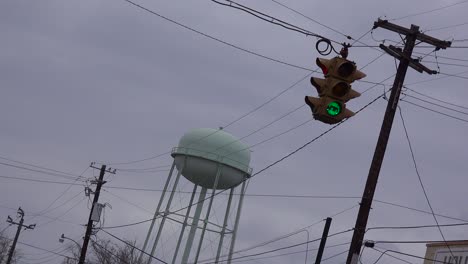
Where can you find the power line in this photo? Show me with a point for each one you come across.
(271, 19)
(385, 253)
(412, 241)
(419, 210)
(449, 64)
(267, 167)
(336, 255)
(311, 19)
(61, 195)
(432, 103)
(247, 194)
(432, 110)
(441, 57)
(286, 235)
(454, 75)
(281, 248)
(39, 248)
(420, 181)
(434, 79)
(415, 227)
(130, 245)
(406, 254)
(436, 99)
(39, 171)
(214, 38)
(227, 125)
(39, 167)
(445, 27)
(290, 253)
(263, 127)
(430, 11)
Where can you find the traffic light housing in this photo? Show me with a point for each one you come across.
(334, 91)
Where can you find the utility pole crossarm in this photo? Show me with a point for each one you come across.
(440, 44)
(413, 63)
(18, 231)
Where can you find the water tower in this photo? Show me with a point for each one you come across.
(211, 160)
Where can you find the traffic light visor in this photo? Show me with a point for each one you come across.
(318, 83)
(324, 64)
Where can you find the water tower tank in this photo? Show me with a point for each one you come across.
(204, 150)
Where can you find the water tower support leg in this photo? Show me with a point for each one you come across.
(236, 224)
(202, 236)
(166, 211)
(223, 231)
(184, 225)
(156, 212)
(193, 228)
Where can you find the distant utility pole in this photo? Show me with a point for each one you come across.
(405, 59)
(94, 210)
(20, 226)
(323, 241)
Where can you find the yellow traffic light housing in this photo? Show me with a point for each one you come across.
(335, 90)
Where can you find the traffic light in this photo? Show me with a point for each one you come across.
(334, 91)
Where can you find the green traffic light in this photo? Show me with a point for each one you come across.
(334, 108)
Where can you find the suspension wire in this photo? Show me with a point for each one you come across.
(432, 110)
(421, 182)
(430, 11)
(436, 99)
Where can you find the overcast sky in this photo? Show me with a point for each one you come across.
(105, 81)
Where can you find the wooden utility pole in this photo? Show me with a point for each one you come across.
(18, 231)
(89, 227)
(323, 241)
(405, 59)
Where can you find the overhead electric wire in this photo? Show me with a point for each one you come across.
(454, 75)
(439, 105)
(62, 194)
(415, 227)
(335, 255)
(409, 255)
(290, 253)
(448, 64)
(440, 57)
(421, 182)
(271, 19)
(276, 239)
(281, 248)
(63, 214)
(434, 79)
(419, 210)
(330, 28)
(414, 241)
(267, 167)
(430, 11)
(39, 171)
(227, 125)
(436, 99)
(435, 111)
(311, 19)
(385, 253)
(247, 194)
(130, 245)
(445, 27)
(214, 38)
(36, 247)
(263, 127)
(39, 167)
